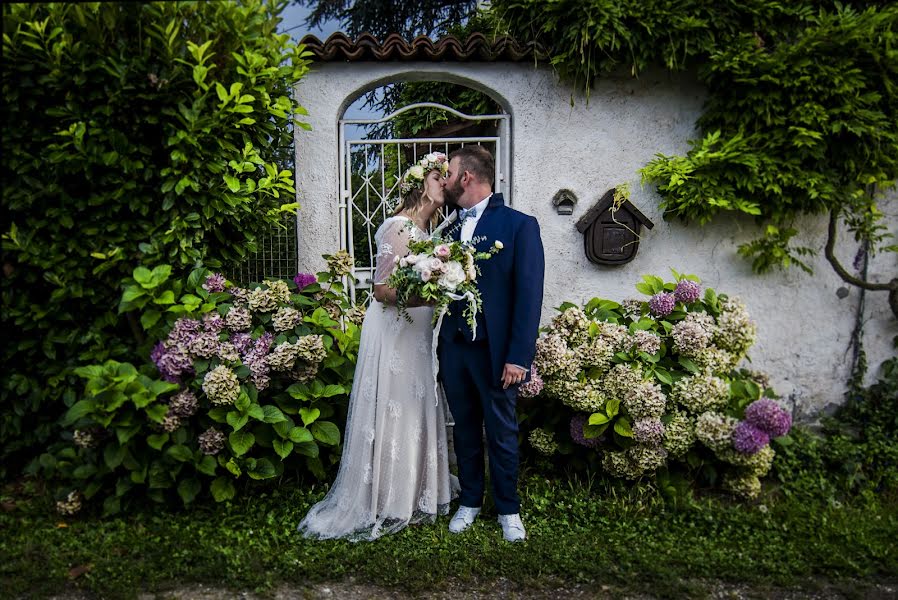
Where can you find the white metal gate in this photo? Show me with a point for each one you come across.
(370, 170)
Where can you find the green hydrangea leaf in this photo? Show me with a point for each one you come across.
(241, 442)
(222, 489)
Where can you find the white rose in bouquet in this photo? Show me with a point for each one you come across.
(469, 268)
(453, 275)
(414, 259)
(430, 157)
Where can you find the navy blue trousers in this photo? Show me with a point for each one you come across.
(477, 401)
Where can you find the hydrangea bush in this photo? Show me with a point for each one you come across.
(649, 385)
(244, 384)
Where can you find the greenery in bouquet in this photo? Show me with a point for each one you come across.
(440, 271)
(650, 386)
(245, 383)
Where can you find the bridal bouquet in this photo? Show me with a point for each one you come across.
(440, 271)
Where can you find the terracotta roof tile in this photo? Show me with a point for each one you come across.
(476, 48)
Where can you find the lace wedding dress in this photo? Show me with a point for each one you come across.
(394, 469)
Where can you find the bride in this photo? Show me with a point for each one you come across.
(394, 469)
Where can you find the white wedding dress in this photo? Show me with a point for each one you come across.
(395, 468)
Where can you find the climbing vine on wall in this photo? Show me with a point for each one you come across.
(802, 108)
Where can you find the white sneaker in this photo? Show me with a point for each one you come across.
(512, 528)
(463, 518)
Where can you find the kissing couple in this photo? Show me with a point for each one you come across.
(394, 468)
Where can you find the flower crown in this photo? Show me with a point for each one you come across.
(414, 177)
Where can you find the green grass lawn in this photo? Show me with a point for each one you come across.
(578, 533)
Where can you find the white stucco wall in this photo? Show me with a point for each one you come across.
(804, 329)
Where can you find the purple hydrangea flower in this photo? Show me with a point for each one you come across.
(184, 330)
(577, 423)
(768, 416)
(648, 431)
(242, 341)
(157, 352)
(303, 279)
(256, 360)
(662, 304)
(214, 283)
(687, 291)
(213, 322)
(263, 344)
(240, 294)
(748, 439)
(173, 363)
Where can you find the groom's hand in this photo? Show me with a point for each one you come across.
(511, 375)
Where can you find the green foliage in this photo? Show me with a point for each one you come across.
(137, 133)
(383, 17)
(583, 533)
(463, 99)
(802, 109)
(133, 435)
(856, 454)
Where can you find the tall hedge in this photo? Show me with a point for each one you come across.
(136, 133)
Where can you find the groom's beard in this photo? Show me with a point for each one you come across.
(452, 194)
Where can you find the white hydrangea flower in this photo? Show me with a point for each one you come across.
(221, 385)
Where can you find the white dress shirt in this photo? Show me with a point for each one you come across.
(470, 224)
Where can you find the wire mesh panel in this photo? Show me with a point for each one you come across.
(275, 256)
(370, 178)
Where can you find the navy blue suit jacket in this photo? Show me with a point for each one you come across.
(511, 285)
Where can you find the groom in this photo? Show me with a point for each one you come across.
(481, 374)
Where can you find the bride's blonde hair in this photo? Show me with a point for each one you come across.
(414, 201)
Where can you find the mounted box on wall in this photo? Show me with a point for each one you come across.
(611, 233)
(564, 201)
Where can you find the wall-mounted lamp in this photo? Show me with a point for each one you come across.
(564, 201)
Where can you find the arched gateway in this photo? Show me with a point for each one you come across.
(364, 188)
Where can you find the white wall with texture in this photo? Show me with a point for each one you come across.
(804, 328)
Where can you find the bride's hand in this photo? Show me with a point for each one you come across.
(433, 186)
(417, 301)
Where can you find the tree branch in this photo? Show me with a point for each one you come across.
(840, 270)
(891, 287)
(135, 327)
